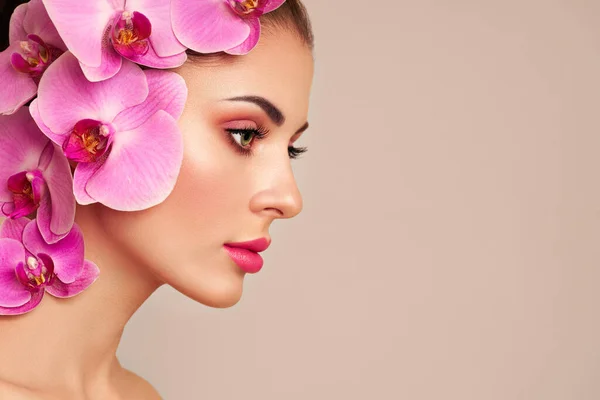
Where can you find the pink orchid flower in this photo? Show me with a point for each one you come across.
(122, 131)
(34, 176)
(209, 26)
(34, 44)
(29, 266)
(101, 32)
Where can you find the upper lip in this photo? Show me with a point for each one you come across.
(256, 245)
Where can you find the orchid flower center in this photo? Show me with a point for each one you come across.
(27, 188)
(130, 33)
(244, 7)
(36, 273)
(34, 56)
(89, 140)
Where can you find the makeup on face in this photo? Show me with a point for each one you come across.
(257, 131)
(245, 254)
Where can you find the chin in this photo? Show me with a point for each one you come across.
(221, 298)
(222, 291)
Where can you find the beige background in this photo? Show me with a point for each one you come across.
(448, 247)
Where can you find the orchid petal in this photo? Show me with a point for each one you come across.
(19, 64)
(44, 218)
(21, 209)
(67, 254)
(158, 12)
(82, 25)
(16, 29)
(12, 292)
(83, 173)
(35, 114)
(13, 228)
(66, 96)
(151, 59)
(7, 208)
(252, 40)
(28, 188)
(21, 144)
(207, 26)
(17, 87)
(111, 64)
(142, 168)
(36, 298)
(89, 274)
(38, 185)
(77, 147)
(167, 91)
(38, 22)
(271, 5)
(16, 182)
(21, 274)
(130, 32)
(57, 210)
(46, 156)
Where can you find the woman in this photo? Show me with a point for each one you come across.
(242, 116)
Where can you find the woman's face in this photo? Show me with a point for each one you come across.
(231, 186)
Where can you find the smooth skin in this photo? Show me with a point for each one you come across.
(66, 349)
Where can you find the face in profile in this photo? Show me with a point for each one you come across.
(240, 124)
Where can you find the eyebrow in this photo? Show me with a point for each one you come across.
(269, 108)
(302, 129)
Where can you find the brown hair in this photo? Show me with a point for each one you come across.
(291, 16)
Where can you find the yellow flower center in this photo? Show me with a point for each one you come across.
(247, 6)
(126, 37)
(36, 280)
(91, 142)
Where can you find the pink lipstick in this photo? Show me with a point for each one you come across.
(245, 254)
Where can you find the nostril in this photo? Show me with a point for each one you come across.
(276, 211)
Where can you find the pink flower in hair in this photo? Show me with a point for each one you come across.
(29, 266)
(34, 44)
(209, 26)
(101, 32)
(34, 176)
(122, 131)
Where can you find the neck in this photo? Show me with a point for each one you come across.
(70, 344)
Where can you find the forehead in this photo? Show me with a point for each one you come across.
(279, 68)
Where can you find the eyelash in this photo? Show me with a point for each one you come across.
(259, 134)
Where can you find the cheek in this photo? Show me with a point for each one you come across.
(210, 197)
(180, 240)
(202, 197)
(202, 212)
(211, 188)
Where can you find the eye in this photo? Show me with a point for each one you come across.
(242, 139)
(294, 152)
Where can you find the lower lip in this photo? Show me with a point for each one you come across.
(247, 260)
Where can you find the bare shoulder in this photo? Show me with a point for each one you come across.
(11, 392)
(135, 387)
(129, 386)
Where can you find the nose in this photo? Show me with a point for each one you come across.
(278, 196)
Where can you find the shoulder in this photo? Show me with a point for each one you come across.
(133, 387)
(11, 392)
(130, 386)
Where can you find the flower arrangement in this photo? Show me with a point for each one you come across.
(88, 114)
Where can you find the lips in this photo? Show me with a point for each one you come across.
(245, 254)
(256, 246)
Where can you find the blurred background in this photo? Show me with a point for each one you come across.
(449, 246)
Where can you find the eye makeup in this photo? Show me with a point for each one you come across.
(248, 134)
